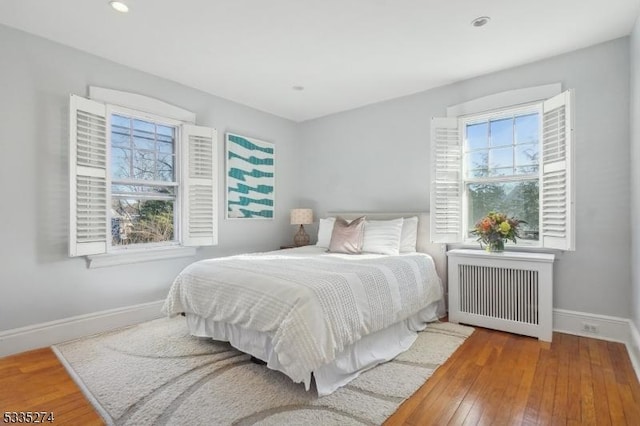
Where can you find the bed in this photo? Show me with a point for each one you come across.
(312, 314)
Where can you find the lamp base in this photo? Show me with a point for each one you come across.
(301, 238)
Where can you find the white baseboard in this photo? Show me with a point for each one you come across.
(615, 329)
(49, 333)
(633, 347)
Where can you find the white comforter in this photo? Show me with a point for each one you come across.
(312, 304)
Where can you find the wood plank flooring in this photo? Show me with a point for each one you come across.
(494, 378)
(502, 379)
(36, 381)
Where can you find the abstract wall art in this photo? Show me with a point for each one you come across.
(250, 178)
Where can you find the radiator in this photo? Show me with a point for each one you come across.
(509, 291)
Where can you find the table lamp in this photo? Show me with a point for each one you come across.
(301, 217)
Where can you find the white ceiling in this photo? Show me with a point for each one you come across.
(346, 53)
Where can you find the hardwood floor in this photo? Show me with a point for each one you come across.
(502, 379)
(494, 378)
(35, 381)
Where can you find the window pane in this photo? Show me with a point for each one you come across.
(135, 221)
(121, 121)
(527, 155)
(500, 158)
(165, 167)
(120, 163)
(478, 163)
(502, 132)
(165, 131)
(526, 128)
(143, 126)
(144, 164)
(120, 137)
(477, 136)
(165, 138)
(516, 199)
(166, 148)
(146, 142)
(144, 135)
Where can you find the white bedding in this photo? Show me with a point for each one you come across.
(311, 304)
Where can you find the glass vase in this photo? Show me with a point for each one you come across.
(496, 246)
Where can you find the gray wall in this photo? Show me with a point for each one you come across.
(635, 174)
(38, 282)
(377, 158)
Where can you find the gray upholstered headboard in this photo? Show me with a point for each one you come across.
(424, 244)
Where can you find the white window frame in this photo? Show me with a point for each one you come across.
(556, 168)
(196, 167)
(177, 208)
(485, 117)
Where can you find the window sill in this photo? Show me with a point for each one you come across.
(138, 256)
(520, 247)
(519, 256)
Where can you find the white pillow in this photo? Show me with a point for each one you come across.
(409, 236)
(325, 228)
(382, 236)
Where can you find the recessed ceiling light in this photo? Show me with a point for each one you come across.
(297, 88)
(119, 6)
(480, 21)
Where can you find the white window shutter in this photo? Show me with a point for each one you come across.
(88, 230)
(446, 181)
(199, 186)
(557, 192)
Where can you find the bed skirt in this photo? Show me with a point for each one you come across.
(364, 354)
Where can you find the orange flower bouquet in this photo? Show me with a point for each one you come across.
(496, 228)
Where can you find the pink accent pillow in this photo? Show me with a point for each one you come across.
(347, 237)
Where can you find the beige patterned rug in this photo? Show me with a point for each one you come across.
(155, 373)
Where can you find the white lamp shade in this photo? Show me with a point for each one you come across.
(301, 216)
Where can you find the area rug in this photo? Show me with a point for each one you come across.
(155, 373)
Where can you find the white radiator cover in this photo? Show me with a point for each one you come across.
(508, 291)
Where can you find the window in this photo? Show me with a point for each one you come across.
(144, 185)
(139, 180)
(517, 161)
(500, 167)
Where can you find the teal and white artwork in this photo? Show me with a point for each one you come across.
(250, 178)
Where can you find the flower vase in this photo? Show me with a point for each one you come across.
(496, 246)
